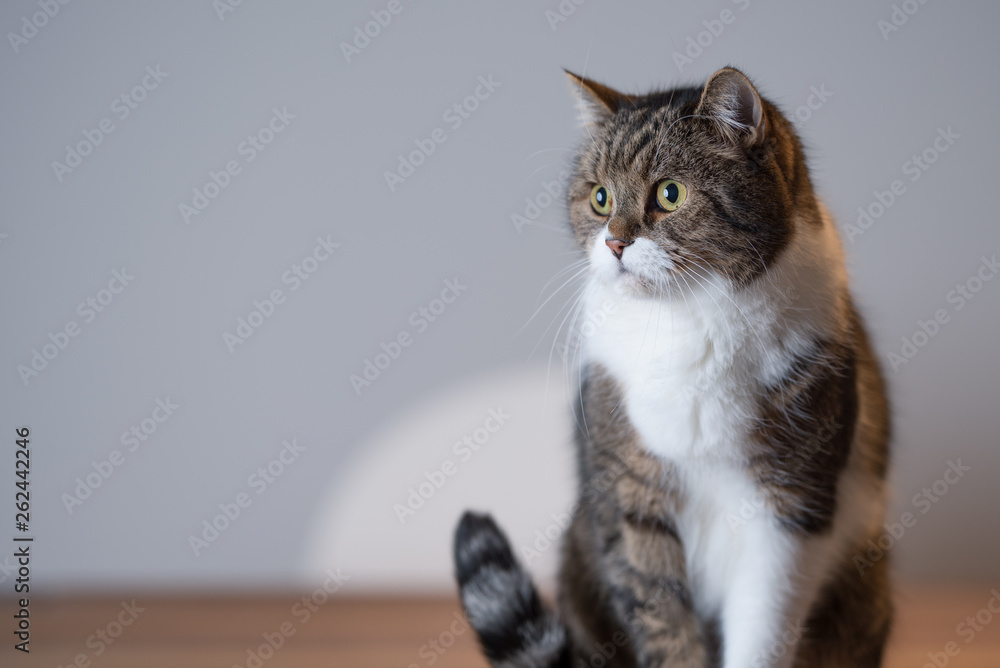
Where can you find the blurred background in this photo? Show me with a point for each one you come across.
(281, 281)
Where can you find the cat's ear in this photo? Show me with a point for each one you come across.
(595, 102)
(735, 105)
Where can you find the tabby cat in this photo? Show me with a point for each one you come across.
(732, 424)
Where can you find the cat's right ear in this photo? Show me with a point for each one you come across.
(595, 102)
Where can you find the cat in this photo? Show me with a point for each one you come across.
(732, 421)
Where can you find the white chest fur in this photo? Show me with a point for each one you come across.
(687, 370)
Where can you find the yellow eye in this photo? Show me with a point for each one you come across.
(600, 199)
(670, 194)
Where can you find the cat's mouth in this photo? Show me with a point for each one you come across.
(633, 283)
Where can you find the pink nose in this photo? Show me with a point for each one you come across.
(617, 246)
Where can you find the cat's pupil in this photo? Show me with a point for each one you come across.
(671, 192)
(602, 196)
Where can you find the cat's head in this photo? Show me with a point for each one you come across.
(685, 183)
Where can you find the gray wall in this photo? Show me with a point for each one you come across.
(886, 96)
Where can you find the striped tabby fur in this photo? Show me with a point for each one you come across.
(731, 398)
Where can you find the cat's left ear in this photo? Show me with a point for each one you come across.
(735, 105)
(596, 102)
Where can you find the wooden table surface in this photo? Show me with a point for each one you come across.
(221, 632)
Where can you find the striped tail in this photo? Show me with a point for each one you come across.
(501, 603)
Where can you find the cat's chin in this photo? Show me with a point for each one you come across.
(629, 283)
